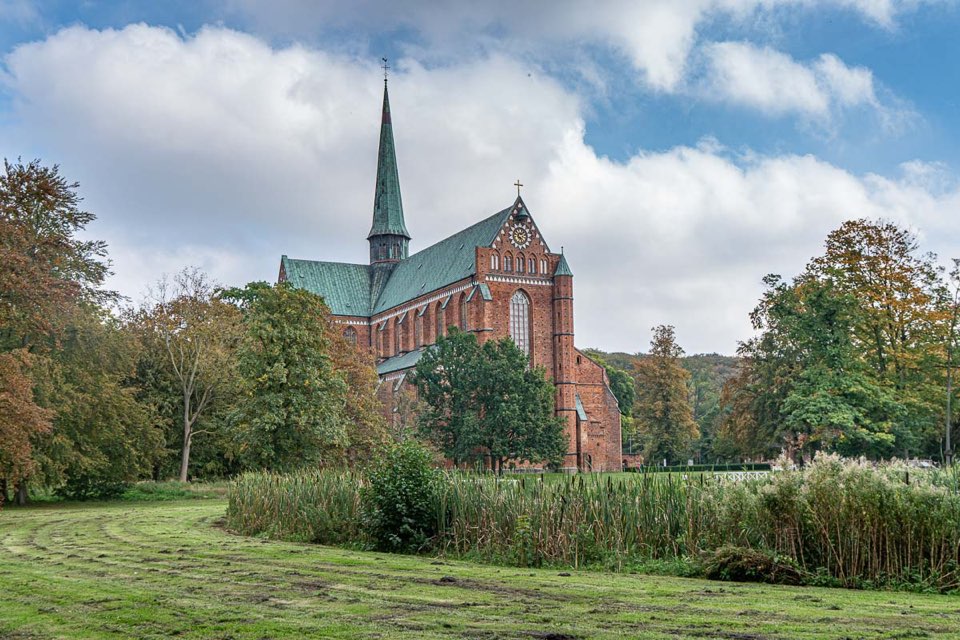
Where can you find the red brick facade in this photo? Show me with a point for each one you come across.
(595, 442)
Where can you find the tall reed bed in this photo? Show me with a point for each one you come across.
(307, 506)
(837, 521)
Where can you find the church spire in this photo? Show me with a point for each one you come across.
(388, 236)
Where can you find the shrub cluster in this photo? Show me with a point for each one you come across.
(836, 522)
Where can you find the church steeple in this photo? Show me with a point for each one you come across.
(389, 239)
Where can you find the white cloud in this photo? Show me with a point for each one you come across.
(221, 151)
(656, 36)
(774, 83)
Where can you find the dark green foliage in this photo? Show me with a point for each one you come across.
(484, 403)
(291, 411)
(741, 564)
(401, 502)
(103, 436)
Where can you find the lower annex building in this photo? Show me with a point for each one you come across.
(496, 278)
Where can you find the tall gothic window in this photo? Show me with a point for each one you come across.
(351, 335)
(440, 324)
(418, 331)
(532, 267)
(543, 267)
(520, 321)
(463, 312)
(397, 337)
(508, 262)
(494, 261)
(520, 262)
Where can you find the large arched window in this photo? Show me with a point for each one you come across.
(463, 312)
(440, 322)
(520, 321)
(417, 331)
(494, 261)
(351, 335)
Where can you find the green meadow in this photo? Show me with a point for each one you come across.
(169, 569)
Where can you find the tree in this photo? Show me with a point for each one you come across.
(21, 421)
(103, 435)
(192, 334)
(515, 407)
(952, 322)
(850, 355)
(446, 381)
(366, 426)
(292, 409)
(487, 401)
(44, 268)
(662, 411)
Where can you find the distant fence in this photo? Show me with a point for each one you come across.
(704, 468)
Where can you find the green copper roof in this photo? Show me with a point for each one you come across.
(399, 363)
(387, 206)
(563, 269)
(344, 287)
(436, 266)
(362, 290)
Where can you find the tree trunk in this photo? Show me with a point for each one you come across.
(22, 493)
(185, 453)
(4, 491)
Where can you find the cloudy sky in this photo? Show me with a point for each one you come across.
(678, 149)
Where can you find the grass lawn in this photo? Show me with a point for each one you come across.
(165, 569)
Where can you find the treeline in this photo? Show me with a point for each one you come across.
(196, 381)
(856, 355)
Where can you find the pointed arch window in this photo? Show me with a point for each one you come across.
(463, 312)
(440, 323)
(543, 267)
(397, 337)
(350, 334)
(520, 263)
(520, 320)
(532, 266)
(494, 261)
(417, 331)
(508, 262)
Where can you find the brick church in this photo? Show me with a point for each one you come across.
(498, 277)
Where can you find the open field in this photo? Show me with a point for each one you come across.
(156, 570)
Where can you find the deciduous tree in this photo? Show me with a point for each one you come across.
(292, 410)
(485, 401)
(663, 413)
(21, 421)
(192, 333)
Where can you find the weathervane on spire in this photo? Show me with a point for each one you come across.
(518, 184)
(385, 68)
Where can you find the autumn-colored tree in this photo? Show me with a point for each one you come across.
(366, 427)
(21, 421)
(664, 417)
(46, 272)
(44, 268)
(191, 333)
(850, 354)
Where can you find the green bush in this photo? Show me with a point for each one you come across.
(401, 499)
